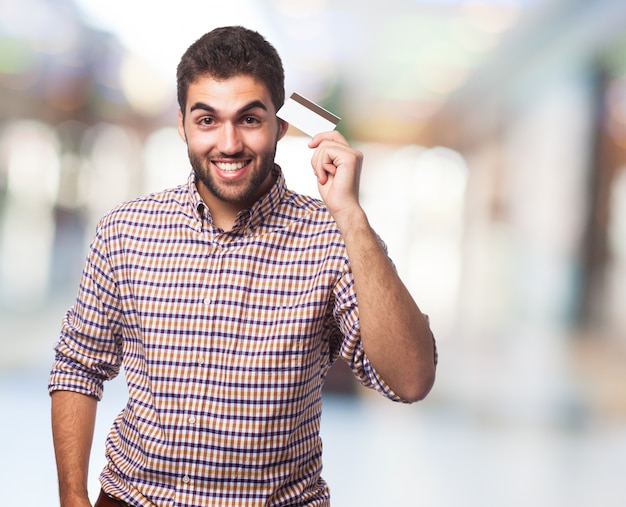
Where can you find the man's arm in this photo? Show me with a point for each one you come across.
(395, 334)
(73, 422)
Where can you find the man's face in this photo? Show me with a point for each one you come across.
(231, 131)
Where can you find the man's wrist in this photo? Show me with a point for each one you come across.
(351, 219)
(76, 501)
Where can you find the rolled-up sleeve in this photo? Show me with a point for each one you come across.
(88, 351)
(351, 349)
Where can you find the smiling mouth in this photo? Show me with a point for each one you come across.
(230, 166)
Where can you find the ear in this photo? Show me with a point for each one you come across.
(283, 126)
(181, 126)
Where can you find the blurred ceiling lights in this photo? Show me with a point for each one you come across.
(386, 68)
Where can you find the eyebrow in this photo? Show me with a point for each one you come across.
(210, 109)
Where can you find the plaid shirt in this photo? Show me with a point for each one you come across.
(225, 339)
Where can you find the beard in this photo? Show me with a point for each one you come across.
(234, 193)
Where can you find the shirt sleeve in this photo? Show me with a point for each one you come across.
(351, 349)
(88, 351)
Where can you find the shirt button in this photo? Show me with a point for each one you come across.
(186, 479)
(201, 360)
(207, 301)
(192, 420)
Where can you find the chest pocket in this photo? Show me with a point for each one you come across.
(280, 336)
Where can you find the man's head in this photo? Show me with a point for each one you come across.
(230, 85)
(228, 52)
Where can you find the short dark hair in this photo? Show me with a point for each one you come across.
(228, 52)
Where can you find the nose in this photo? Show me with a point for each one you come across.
(230, 142)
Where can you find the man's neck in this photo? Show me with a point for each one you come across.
(222, 218)
(224, 214)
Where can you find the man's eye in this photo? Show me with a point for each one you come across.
(207, 120)
(250, 120)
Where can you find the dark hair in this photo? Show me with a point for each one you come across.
(228, 52)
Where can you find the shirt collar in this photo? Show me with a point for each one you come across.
(195, 199)
(252, 217)
(266, 206)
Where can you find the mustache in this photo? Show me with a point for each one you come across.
(225, 156)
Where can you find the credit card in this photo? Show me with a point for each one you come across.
(307, 116)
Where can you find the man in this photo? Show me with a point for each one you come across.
(227, 299)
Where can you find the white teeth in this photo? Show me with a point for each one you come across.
(230, 166)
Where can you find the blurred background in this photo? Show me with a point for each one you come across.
(494, 133)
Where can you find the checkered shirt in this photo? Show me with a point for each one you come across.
(225, 339)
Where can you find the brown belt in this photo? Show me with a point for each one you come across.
(105, 500)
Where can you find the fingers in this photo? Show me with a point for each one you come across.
(331, 148)
(333, 156)
(332, 136)
(325, 159)
(325, 163)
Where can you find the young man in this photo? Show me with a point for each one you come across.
(227, 299)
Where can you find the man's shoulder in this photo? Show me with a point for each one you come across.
(302, 209)
(302, 204)
(304, 218)
(150, 207)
